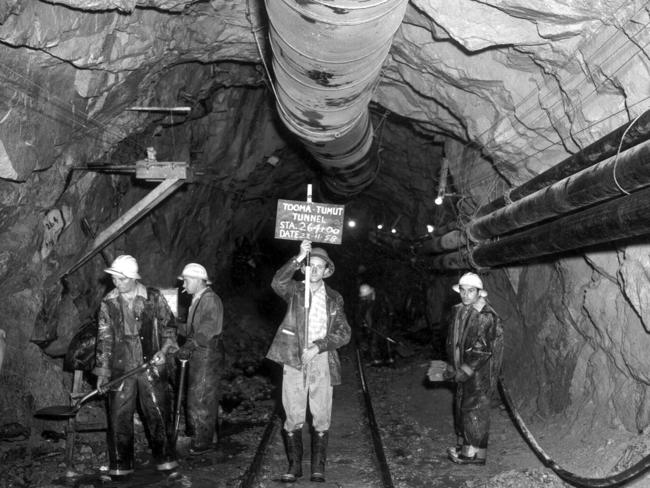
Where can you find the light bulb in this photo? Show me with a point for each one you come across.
(429, 228)
(380, 226)
(352, 223)
(438, 200)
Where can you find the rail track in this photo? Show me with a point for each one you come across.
(356, 452)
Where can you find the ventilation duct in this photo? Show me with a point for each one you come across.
(327, 59)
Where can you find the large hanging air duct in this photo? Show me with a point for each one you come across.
(327, 58)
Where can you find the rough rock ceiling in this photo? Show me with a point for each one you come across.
(527, 82)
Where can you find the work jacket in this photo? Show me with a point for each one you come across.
(156, 324)
(204, 320)
(289, 341)
(474, 347)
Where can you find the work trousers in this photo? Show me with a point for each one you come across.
(472, 416)
(310, 384)
(149, 390)
(204, 375)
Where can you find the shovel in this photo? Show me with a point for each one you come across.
(179, 400)
(68, 411)
(401, 349)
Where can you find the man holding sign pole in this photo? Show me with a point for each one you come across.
(306, 344)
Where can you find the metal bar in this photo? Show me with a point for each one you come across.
(162, 191)
(161, 109)
(600, 150)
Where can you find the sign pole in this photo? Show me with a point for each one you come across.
(307, 298)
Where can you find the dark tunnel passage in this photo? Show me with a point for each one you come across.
(496, 138)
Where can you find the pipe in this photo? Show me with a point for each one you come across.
(327, 58)
(440, 244)
(592, 185)
(452, 260)
(445, 228)
(600, 150)
(616, 219)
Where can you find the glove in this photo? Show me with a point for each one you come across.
(101, 381)
(449, 374)
(184, 354)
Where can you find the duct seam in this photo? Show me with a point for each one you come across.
(311, 15)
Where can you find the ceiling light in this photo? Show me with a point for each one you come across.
(438, 200)
(352, 223)
(430, 228)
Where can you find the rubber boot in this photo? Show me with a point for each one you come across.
(293, 445)
(318, 455)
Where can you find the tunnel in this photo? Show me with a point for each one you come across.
(503, 138)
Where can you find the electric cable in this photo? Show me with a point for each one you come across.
(477, 181)
(626, 40)
(618, 151)
(22, 84)
(615, 480)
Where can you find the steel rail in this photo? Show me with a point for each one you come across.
(250, 478)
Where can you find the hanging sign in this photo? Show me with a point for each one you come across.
(316, 222)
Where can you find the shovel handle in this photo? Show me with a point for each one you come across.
(389, 339)
(179, 400)
(115, 381)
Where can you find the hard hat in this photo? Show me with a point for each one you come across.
(319, 252)
(472, 280)
(365, 290)
(125, 266)
(195, 270)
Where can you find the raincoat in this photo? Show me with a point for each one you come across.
(204, 324)
(289, 340)
(474, 346)
(119, 351)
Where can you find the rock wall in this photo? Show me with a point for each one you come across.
(576, 339)
(199, 222)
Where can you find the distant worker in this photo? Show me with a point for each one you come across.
(309, 357)
(203, 348)
(474, 345)
(135, 325)
(375, 314)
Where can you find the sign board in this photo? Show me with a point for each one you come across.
(316, 222)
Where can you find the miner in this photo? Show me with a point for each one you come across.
(306, 345)
(203, 348)
(474, 345)
(136, 325)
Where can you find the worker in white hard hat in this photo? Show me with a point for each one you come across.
(135, 325)
(203, 348)
(375, 314)
(474, 349)
(306, 345)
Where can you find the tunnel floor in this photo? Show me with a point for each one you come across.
(416, 428)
